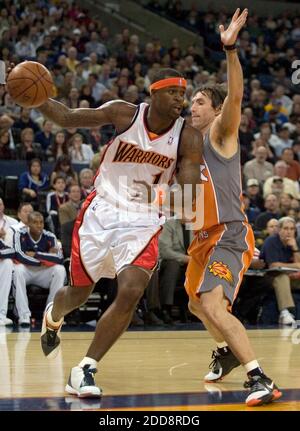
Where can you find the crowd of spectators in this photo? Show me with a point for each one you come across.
(91, 66)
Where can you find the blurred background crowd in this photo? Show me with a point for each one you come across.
(91, 65)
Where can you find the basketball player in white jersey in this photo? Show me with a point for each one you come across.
(114, 234)
(222, 251)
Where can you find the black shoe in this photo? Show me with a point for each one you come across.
(50, 340)
(221, 365)
(262, 390)
(167, 318)
(136, 320)
(152, 319)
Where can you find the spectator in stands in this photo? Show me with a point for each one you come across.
(86, 94)
(28, 149)
(45, 137)
(252, 211)
(40, 262)
(282, 250)
(96, 160)
(173, 244)
(24, 210)
(80, 152)
(259, 142)
(293, 166)
(272, 227)
(67, 214)
(270, 138)
(285, 204)
(54, 201)
(25, 121)
(10, 107)
(95, 46)
(24, 49)
(6, 153)
(63, 168)
(284, 138)
(86, 181)
(95, 138)
(288, 186)
(32, 182)
(246, 137)
(97, 89)
(73, 98)
(259, 168)
(69, 210)
(6, 271)
(7, 123)
(59, 147)
(5, 222)
(272, 211)
(71, 60)
(254, 194)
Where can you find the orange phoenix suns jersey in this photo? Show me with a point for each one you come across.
(137, 155)
(221, 179)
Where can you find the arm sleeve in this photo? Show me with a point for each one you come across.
(6, 252)
(21, 255)
(23, 181)
(50, 259)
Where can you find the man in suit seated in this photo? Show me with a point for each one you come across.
(40, 261)
(173, 244)
(68, 211)
(282, 250)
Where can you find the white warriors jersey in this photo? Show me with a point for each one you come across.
(133, 156)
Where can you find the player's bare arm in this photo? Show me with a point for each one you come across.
(116, 112)
(224, 130)
(190, 153)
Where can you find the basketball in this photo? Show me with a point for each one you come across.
(30, 84)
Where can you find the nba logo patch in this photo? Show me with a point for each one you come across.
(170, 140)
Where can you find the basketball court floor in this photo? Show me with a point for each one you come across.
(145, 370)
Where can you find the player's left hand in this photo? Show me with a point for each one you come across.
(229, 36)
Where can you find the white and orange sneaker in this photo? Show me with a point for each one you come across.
(50, 340)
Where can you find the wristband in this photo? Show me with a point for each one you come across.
(296, 251)
(229, 47)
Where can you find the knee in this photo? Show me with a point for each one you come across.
(207, 307)
(19, 270)
(128, 297)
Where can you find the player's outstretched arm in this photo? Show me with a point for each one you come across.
(114, 112)
(229, 120)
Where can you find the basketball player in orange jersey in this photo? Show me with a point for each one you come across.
(222, 250)
(115, 234)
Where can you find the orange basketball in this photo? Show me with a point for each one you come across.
(30, 84)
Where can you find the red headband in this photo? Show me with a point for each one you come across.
(168, 82)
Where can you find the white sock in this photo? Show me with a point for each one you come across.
(86, 360)
(222, 345)
(251, 365)
(50, 319)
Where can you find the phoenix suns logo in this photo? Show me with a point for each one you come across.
(221, 270)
